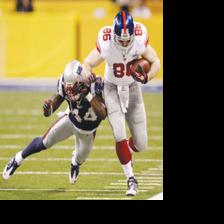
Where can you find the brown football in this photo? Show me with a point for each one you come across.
(146, 65)
(99, 107)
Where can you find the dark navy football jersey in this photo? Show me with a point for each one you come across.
(81, 113)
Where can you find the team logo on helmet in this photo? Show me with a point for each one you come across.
(79, 70)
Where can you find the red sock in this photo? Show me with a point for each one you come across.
(131, 144)
(123, 152)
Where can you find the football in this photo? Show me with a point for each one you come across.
(99, 107)
(146, 65)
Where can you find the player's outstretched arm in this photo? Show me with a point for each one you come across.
(151, 56)
(52, 104)
(92, 60)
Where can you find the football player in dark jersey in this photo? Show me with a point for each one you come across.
(87, 110)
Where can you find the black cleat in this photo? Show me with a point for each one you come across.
(10, 169)
(132, 187)
(73, 173)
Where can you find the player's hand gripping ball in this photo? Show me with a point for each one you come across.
(139, 69)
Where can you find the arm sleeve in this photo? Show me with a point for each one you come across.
(60, 87)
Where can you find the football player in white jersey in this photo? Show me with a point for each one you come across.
(82, 120)
(119, 45)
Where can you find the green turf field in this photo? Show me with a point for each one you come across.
(44, 176)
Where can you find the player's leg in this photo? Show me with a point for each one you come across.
(84, 144)
(136, 118)
(115, 116)
(117, 122)
(59, 131)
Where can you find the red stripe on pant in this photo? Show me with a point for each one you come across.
(123, 152)
(132, 145)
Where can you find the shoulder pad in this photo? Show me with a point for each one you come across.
(141, 34)
(104, 39)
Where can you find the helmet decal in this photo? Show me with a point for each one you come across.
(79, 70)
(124, 21)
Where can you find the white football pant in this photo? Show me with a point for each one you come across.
(135, 116)
(62, 129)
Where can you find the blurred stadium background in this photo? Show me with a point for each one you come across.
(34, 49)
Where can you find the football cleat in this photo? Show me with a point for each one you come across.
(10, 169)
(132, 187)
(73, 173)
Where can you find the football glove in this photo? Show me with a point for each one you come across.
(139, 75)
(48, 108)
(97, 86)
(90, 79)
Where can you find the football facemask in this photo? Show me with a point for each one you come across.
(76, 91)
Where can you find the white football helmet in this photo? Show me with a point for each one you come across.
(73, 79)
(73, 72)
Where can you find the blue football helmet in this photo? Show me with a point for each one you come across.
(123, 30)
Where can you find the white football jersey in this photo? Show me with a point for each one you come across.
(117, 70)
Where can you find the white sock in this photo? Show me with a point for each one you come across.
(19, 157)
(128, 170)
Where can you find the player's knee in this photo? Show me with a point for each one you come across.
(141, 143)
(38, 144)
(118, 136)
(35, 146)
(47, 142)
(118, 128)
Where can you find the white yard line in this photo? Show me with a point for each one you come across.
(142, 181)
(157, 197)
(61, 190)
(82, 173)
(88, 191)
(158, 169)
(125, 187)
(146, 179)
(101, 198)
(155, 128)
(149, 178)
(141, 184)
(22, 127)
(38, 127)
(31, 136)
(39, 112)
(89, 159)
(160, 174)
(20, 112)
(64, 173)
(69, 147)
(148, 175)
